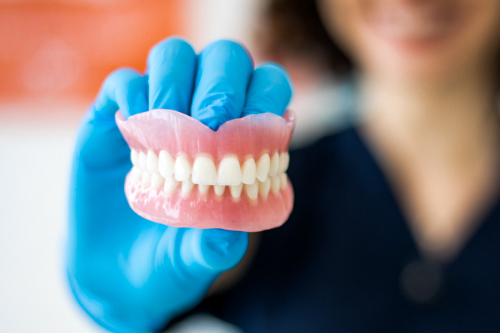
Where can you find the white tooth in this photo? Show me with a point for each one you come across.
(186, 188)
(204, 171)
(275, 165)
(264, 187)
(283, 181)
(252, 190)
(136, 173)
(143, 161)
(134, 157)
(146, 178)
(275, 184)
(236, 190)
(156, 181)
(263, 167)
(170, 185)
(248, 171)
(152, 162)
(203, 189)
(219, 189)
(182, 168)
(166, 164)
(229, 171)
(284, 161)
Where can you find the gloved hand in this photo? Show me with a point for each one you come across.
(128, 273)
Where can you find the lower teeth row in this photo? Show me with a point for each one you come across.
(170, 184)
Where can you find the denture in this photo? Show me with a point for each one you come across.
(186, 175)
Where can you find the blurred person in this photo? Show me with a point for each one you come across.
(396, 223)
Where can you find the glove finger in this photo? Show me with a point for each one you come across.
(124, 89)
(224, 69)
(171, 72)
(99, 142)
(200, 253)
(269, 90)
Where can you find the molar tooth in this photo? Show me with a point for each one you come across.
(284, 161)
(152, 162)
(263, 167)
(136, 173)
(134, 157)
(264, 187)
(166, 164)
(252, 190)
(275, 184)
(156, 181)
(186, 188)
(143, 161)
(182, 168)
(170, 185)
(204, 171)
(236, 190)
(219, 189)
(146, 179)
(248, 171)
(283, 180)
(229, 171)
(275, 165)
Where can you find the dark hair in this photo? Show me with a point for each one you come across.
(295, 27)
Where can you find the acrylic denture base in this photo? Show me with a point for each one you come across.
(186, 175)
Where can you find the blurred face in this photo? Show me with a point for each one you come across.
(420, 41)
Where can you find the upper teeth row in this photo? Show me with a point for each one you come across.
(204, 172)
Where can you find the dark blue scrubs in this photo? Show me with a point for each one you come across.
(346, 261)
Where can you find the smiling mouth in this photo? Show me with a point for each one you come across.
(426, 22)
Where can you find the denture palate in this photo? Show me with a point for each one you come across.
(165, 172)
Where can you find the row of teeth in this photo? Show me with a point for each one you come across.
(268, 174)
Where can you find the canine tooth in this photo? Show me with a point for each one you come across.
(263, 167)
(284, 161)
(275, 165)
(170, 185)
(219, 189)
(166, 164)
(252, 190)
(182, 168)
(204, 171)
(143, 161)
(134, 157)
(264, 187)
(186, 188)
(236, 190)
(283, 181)
(136, 173)
(156, 181)
(275, 184)
(229, 171)
(152, 162)
(146, 178)
(203, 188)
(248, 171)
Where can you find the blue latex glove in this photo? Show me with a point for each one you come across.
(128, 273)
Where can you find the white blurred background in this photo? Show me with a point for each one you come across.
(47, 84)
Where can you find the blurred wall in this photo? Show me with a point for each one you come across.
(52, 49)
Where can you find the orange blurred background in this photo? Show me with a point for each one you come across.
(64, 49)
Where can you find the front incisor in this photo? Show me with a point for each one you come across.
(229, 172)
(249, 171)
(263, 167)
(204, 172)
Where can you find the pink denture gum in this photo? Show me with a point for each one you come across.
(186, 175)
